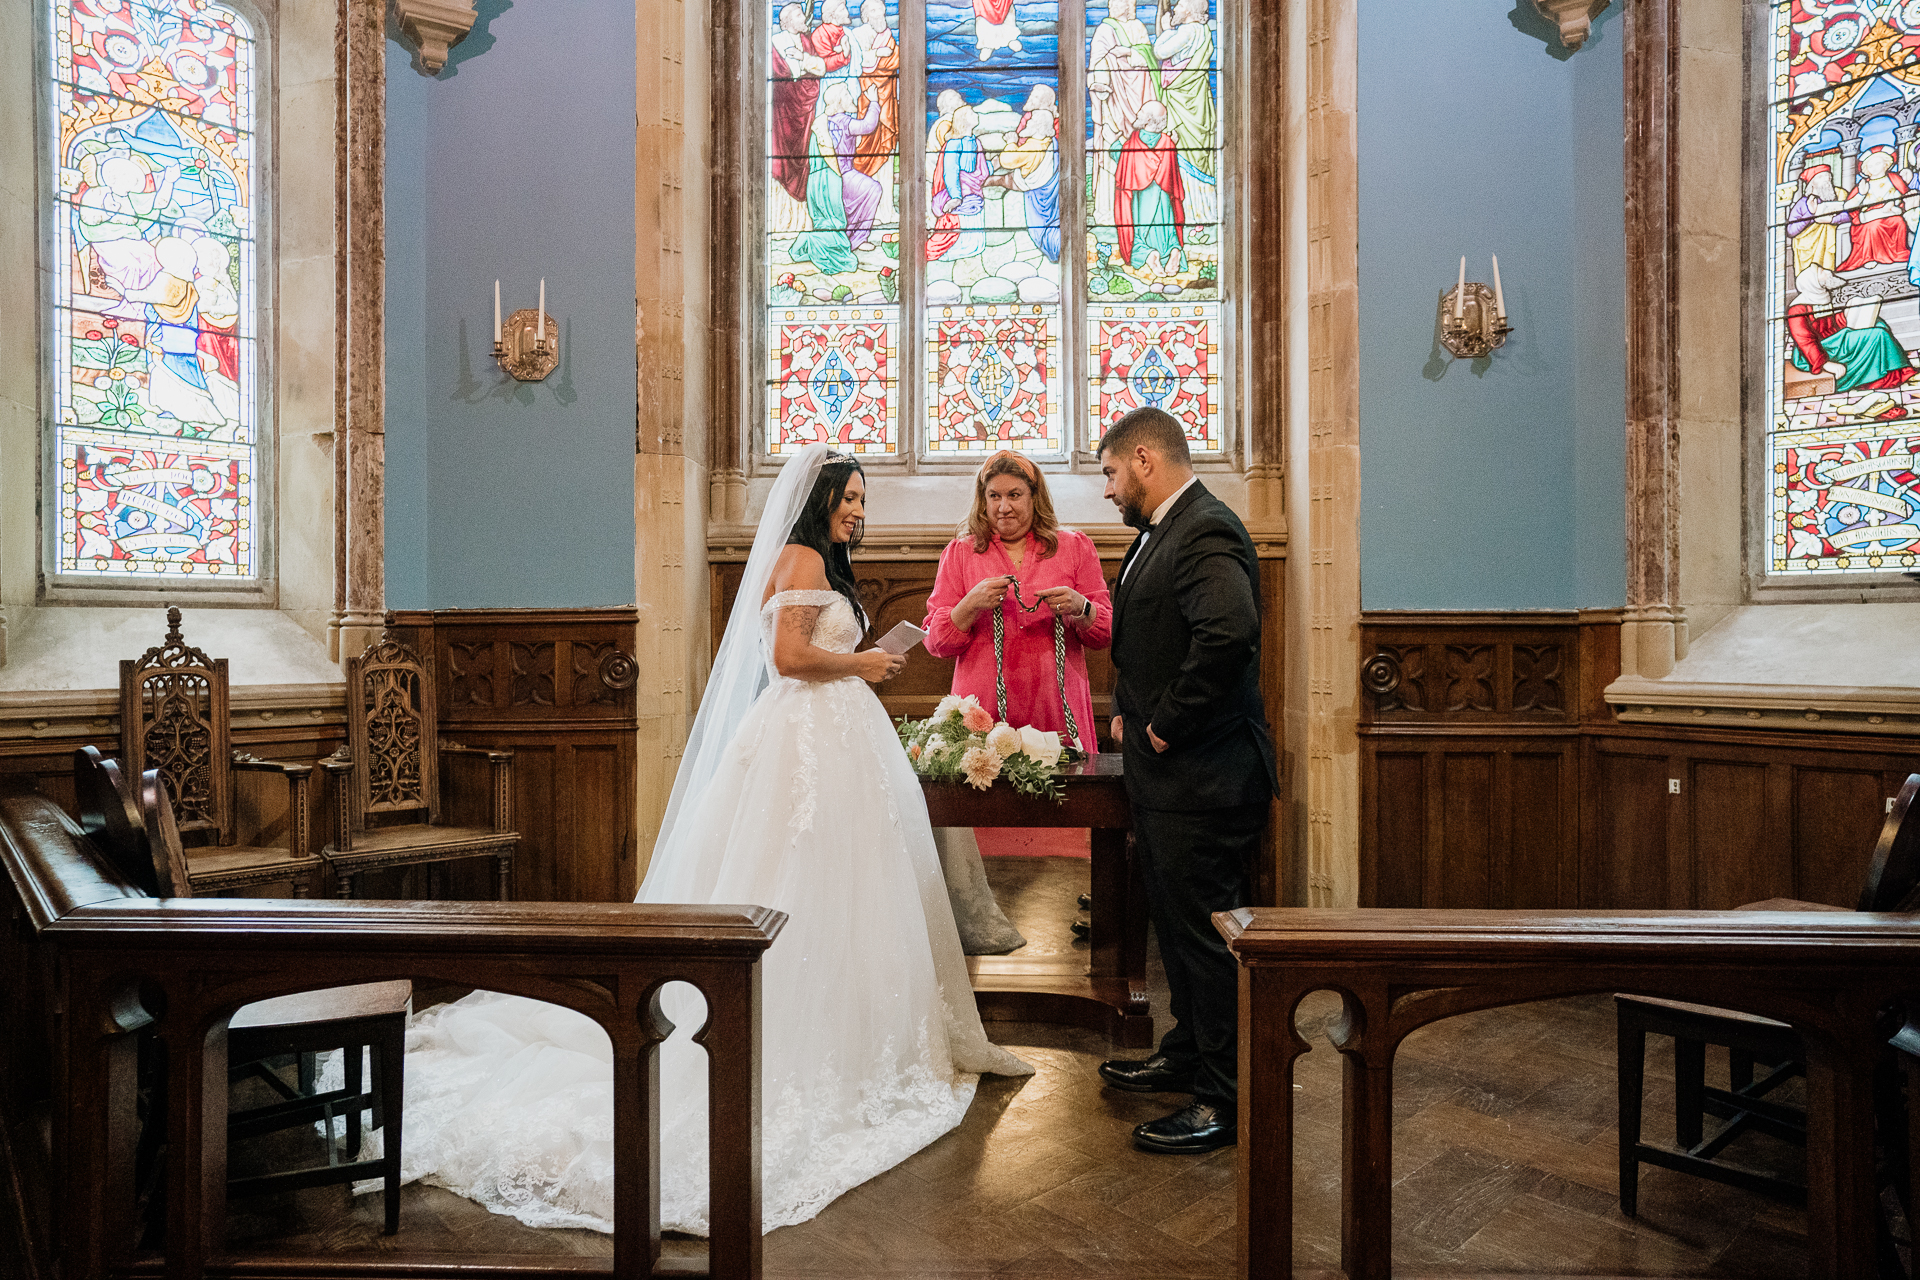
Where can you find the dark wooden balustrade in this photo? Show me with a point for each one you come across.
(1827, 974)
(88, 965)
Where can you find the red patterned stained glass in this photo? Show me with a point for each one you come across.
(1841, 504)
(130, 511)
(152, 217)
(1840, 362)
(833, 376)
(993, 380)
(1156, 357)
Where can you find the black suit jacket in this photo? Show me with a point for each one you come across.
(1186, 640)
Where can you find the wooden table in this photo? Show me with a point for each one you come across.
(1109, 994)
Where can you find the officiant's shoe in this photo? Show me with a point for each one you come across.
(1192, 1130)
(1147, 1075)
(1086, 901)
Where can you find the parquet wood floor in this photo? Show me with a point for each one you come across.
(1504, 1160)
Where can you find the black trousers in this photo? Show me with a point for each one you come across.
(1194, 864)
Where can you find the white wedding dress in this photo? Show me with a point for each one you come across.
(870, 1041)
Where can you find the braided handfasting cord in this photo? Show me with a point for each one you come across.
(1059, 659)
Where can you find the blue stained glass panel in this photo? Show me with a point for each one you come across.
(155, 424)
(1841, 360)
(833, 223)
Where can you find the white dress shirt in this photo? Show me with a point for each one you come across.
(1154, 520)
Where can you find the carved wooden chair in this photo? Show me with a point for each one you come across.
(174, 718)
(386, 780)
(1752, 1042)
(353, 1020)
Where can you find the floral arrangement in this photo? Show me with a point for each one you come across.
(960, 742)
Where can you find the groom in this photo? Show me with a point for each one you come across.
(1199, 759)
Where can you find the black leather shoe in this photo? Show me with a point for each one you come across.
(1192, 1130)
(1082, 928)
(1086, 902)
(1147, 1075)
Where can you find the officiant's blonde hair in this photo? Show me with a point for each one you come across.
(1008, 463)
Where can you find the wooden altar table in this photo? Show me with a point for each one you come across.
(1108, 990)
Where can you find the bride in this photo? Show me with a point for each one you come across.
(794, 794)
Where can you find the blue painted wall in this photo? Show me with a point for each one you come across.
(1496, 484)
(516, 161)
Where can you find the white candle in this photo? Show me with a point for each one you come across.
(540, 329)
(1499, 298)
(496, 313)
(1460, 291)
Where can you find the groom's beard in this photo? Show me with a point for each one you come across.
(1134, 517)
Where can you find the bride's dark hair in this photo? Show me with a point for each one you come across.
(811, 529)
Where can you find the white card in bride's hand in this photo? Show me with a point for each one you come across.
(902, 638)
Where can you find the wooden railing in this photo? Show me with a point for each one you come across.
(88, 965)
(1828, 974)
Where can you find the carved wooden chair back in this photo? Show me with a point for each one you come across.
(174, 718)
(391, 734)
(1893, 876)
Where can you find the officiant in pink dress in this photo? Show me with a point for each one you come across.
(1011, 535)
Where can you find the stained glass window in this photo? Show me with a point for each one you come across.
(155, 434)
(1153, 214)
(993, 186)
(833, 225)
(1843, 279)
(1021, 237)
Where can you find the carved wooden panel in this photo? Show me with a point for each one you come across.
(1544, 800)
(532, 674)
(1536, 678)
(469, 674)
(556, 686)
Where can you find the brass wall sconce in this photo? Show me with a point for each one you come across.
(528, 344)
(1473, 318)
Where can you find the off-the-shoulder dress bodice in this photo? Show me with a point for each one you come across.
(836, 630)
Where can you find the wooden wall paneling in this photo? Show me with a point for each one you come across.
(1393, 789)
(1542, 799)
(556, 686)
(1459, 877)
(1573, 808)
(1627, 861)
(1733, 860)
(1837, 814)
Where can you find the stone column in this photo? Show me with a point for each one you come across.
(1263, 281)
(1321, 388)
(359, 441)
(671, 419)
(1653, 631)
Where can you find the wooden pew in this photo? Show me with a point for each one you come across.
(1827, 974)
(88, 964)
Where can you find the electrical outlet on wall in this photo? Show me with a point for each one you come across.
(1673, 786)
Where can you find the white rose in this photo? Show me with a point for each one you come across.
(1004, 740)
(1044, 747)
(947, 704)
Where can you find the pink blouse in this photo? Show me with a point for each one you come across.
(1033, 696)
